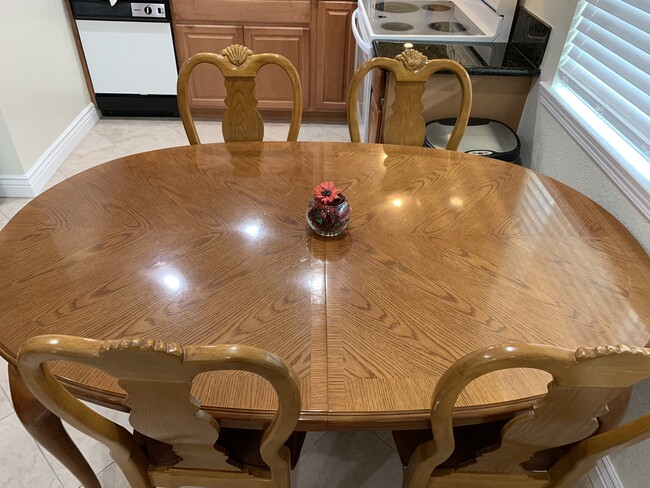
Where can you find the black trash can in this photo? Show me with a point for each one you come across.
(483, 137)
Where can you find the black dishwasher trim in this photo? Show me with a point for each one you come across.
(119, 105)
(121, 11)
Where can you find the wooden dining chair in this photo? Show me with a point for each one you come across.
(405, 125)
(554, 443)
(175, 443)
(239, 66)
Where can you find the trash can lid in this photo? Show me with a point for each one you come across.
(483, 136)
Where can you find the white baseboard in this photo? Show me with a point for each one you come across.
(604, 475)
(31, 183)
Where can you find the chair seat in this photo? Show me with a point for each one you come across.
(478, 480)
(242, 446)
(470, 440)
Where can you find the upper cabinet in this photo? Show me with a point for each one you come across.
(315, 36)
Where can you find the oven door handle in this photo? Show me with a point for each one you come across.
(357, 21)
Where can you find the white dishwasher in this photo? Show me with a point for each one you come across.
(129, 51)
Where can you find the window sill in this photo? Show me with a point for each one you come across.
(625, 165)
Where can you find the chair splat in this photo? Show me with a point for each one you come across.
(239, 65)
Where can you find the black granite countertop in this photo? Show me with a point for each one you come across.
(502, 59)
(522, 56)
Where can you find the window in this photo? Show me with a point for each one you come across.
(602, 90)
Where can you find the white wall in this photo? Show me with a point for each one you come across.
(548, 148)
(42, 88)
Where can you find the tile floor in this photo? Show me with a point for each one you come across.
(341, 460)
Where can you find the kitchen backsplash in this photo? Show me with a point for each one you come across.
(530, 36)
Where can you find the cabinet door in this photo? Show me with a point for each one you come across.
(206, 88)
(335, 56)
(272, 85)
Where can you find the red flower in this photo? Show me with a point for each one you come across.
(326, 193)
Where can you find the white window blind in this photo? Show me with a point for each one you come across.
(607, 65)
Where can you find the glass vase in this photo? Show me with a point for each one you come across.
(328, 219)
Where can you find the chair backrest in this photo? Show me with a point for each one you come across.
(157, 377)
(585, 382)
(239, 66)
(406, 125)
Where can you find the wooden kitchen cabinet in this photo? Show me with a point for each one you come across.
(272, 85)
(201, 26)
(334, 63)
(315, 36)
(242, 12)
(206, 88)
(500, 98)
(377, 100)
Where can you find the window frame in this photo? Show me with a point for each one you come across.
(624, 163)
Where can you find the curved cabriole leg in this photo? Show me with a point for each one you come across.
(47, 429)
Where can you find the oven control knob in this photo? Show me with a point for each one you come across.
(147, 10)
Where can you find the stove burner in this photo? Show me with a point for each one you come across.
(396, 7)
(438, 7)
(448, 27)
(397, 26)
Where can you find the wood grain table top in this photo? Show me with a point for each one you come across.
(445, 253)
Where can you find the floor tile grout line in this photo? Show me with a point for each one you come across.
(382, 440)
(10, 403)
(7, 393)
(43, 450)
(314, 444)
(112, 463)
(40, 449)
(7, 218)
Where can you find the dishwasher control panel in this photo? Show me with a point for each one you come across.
(156, 10)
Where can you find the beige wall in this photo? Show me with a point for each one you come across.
(42, 89)
(555, 153)
(548, 148)
(9, 161)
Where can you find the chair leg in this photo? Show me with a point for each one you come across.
(47, 429)
(405, 481)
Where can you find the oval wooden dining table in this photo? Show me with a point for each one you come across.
(445, 253)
